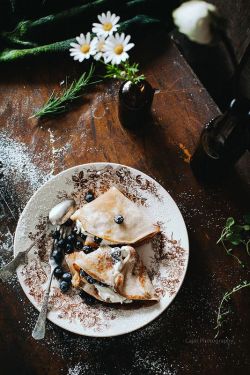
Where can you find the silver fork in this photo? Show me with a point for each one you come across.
(9, 269)
(38, 332)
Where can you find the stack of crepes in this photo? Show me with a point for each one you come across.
(114, 271)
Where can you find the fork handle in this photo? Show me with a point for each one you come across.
(38, 332)
(9, 269)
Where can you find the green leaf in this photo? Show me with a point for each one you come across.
(246, 227)
(230, 221)
(247, 218)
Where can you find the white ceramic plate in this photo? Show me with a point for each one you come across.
(166, 257)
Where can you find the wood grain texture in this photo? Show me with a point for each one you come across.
(180, 341)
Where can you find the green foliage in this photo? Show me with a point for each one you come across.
(221, 314)
(60, 103)
(235, 234)
(124, 71)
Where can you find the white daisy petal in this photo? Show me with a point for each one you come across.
(128, 47)
(74, 45)
(127, 39)
(116, 19)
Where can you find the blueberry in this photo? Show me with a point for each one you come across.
(97, 240)
(71, 238)
(68, 223)
(87, 298)
(79, 245)
(64, 286)
(58, 272)
(87, 249)
(56, 234)
(119, 219)
(83, 273)
(89, 197)
(67, 277)
(116, 253)
(61, 244)
(83, 236)
(69, 248)
(57, 255)
(90, 279)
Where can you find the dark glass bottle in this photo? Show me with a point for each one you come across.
(223, 141)
(135, 102)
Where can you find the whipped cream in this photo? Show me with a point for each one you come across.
(83, 231)
(109, 295)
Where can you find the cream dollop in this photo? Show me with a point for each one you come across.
(60, 213)
(109, 295)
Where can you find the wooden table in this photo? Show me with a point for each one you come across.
(181, 340)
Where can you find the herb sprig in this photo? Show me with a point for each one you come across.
(58, 104)
(226, 297)
(125, 71)
(236, 234)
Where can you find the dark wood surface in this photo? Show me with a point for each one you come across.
(181, 340)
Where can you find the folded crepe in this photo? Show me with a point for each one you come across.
(97, 218)
(113, 275)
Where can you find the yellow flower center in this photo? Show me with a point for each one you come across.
(85, 48)
(118, 49)
(107, 26)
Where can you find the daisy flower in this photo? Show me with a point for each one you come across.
(108, 24)
(116, 48)
(84, 48)
(99, 43)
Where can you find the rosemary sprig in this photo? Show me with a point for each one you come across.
(125, 72)
(60, 103)
(221, 314)
(236, 234)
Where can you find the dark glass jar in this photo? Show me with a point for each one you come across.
(135, 102)
(223, 141)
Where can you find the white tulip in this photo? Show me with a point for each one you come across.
(194, 19)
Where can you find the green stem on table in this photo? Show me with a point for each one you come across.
(25, 27)
(58, 104)
(225, 298)
(16, 54)
(30, 27)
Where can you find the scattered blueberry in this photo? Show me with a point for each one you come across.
(87, 298)
(83, 236)
(58, 272)
(87, 249)
(68, 223)
(67, 277)
(83, 273)
(97, 240)
(57, 254)
(71, 238)
(56, 234)
(89, 197)
(116, 253)
(79, 245)
(88, 278)
(69, 248)
(119, 219)
(101, 284)
(64, 286)
(61, 244)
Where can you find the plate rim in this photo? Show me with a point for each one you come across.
(57, 322)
